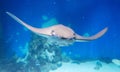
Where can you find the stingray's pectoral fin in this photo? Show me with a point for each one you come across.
(33, 29)
(96, 36)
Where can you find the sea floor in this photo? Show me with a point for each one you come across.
(88, 67)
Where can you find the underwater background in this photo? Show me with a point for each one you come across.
(85, 17)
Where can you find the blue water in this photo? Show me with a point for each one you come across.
(83, 16)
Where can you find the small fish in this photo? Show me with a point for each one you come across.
(59, 34)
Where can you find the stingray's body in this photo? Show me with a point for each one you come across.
(58, 34)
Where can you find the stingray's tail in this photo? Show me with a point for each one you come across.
(33, 29)
(96, 36)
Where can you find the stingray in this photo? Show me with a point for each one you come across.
(59, 34)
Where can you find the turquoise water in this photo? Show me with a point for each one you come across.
(22, 48)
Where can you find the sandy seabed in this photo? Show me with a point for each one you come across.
(87, 67)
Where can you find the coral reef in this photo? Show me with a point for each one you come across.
(41, 57)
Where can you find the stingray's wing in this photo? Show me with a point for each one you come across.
(22, 23)
(96, 36)
(33, 29)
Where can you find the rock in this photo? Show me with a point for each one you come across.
(116, 62)
(98, 65)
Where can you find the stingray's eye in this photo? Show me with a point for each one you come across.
(53, 33)
(74, 34)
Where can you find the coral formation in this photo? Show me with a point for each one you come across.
(41, 57)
